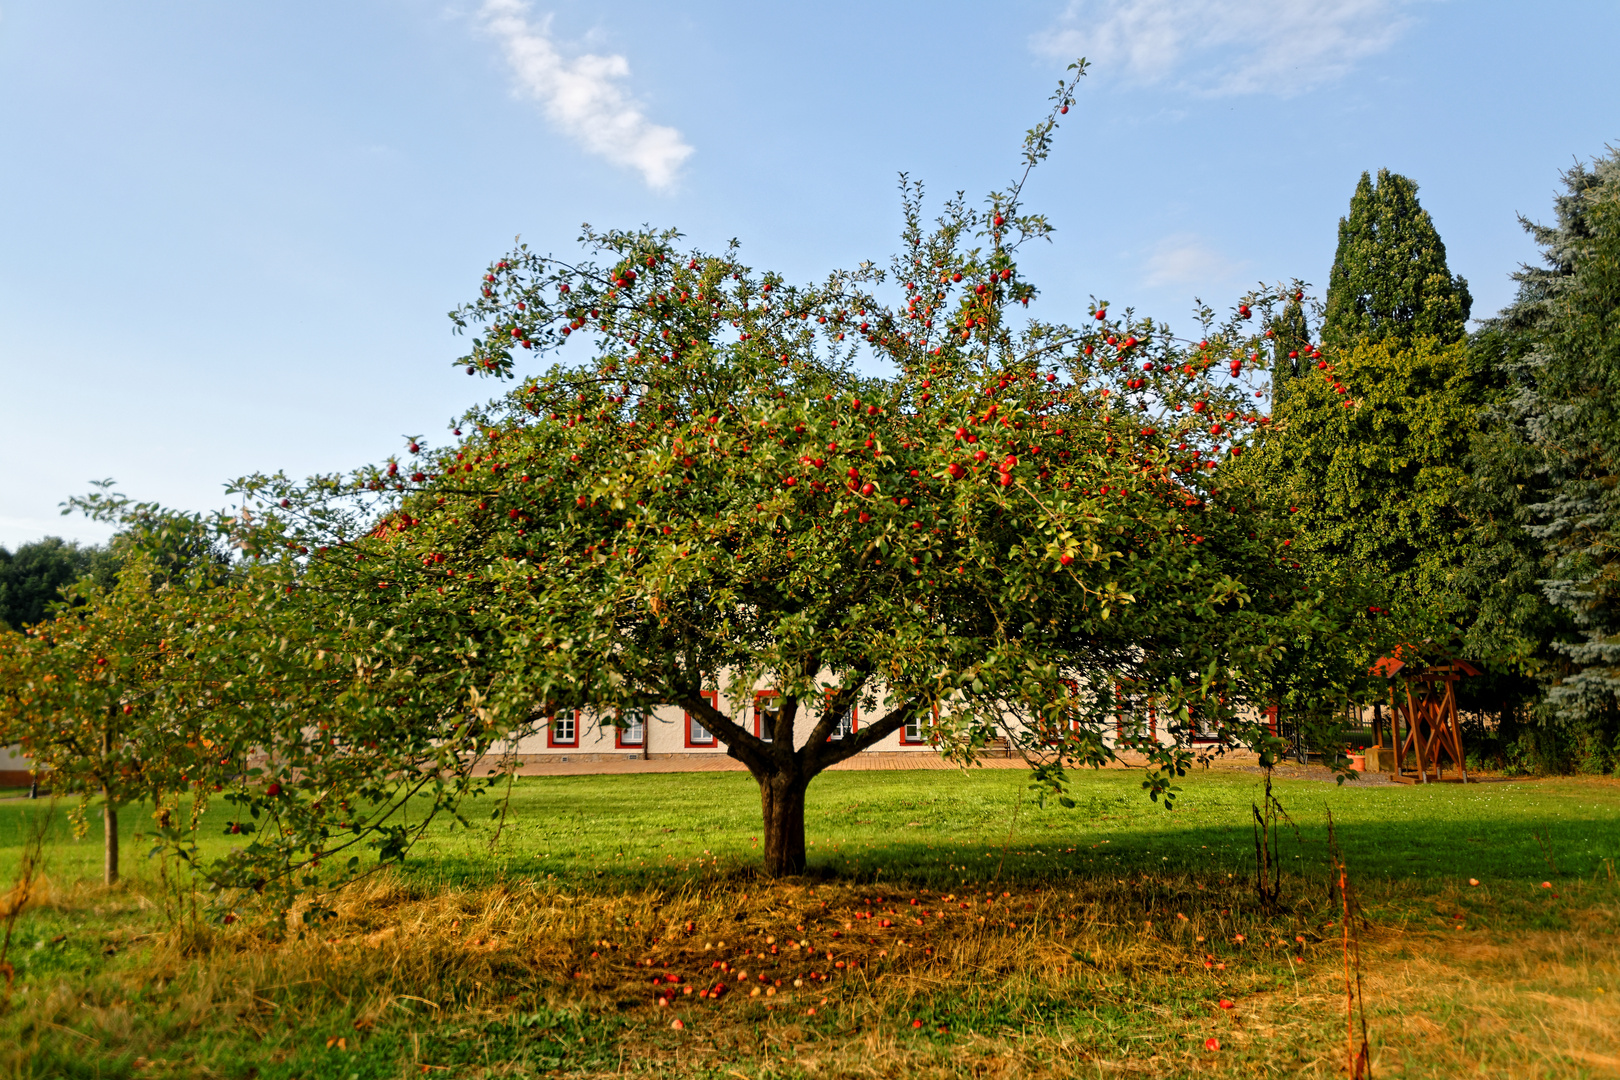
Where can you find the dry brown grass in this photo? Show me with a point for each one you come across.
(1107, 980)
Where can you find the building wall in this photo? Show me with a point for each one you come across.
(673, 732)
(14, 768)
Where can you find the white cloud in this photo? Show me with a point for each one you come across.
(584, 97)
(1184, 259)
(1222, 47)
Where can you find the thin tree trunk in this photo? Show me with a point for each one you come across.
(782, 800)
(109, 812)
(109, 818)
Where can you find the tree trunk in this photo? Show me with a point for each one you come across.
(109, 810)
(782, 800)
(109, 818)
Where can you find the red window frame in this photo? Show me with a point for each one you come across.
(552, 741)
(761, 695)
(619, 741)
(921, 739)
(713, 698)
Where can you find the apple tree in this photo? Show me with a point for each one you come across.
(100, 699)
(1019, 531)
(335, 723)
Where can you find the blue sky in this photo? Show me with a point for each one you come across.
(231, 230)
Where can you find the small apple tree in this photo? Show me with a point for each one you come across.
(97, 698)
(331, 717)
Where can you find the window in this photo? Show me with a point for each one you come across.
(1200, 727)
(848, 721)
(563, 729)
(1136, 719)
(634, 731)
(915, 733)
(696, 734)
(767, 707)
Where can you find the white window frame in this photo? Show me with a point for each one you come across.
(570, 718)
(634, 731)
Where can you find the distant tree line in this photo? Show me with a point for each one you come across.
(32, 577)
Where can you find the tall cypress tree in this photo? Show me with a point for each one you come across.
(1389, 277)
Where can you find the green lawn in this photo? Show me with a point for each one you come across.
(924, 825)
(480, 958)
(937, 828)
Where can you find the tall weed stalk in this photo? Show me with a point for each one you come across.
(1268, 817)
(1359, 1060)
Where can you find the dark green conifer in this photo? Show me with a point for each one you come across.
(1389, 277)
(1560, 343)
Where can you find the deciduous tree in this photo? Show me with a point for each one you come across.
(1025, 521)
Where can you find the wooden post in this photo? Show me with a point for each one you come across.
(1394, 736)
(1414, 727)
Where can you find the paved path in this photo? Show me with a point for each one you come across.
(868, 761)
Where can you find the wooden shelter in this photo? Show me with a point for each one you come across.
(1423, 702)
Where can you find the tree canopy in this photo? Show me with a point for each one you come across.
(1389, 278)
(33, 576)
(1368, 457)
(1025, 521)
